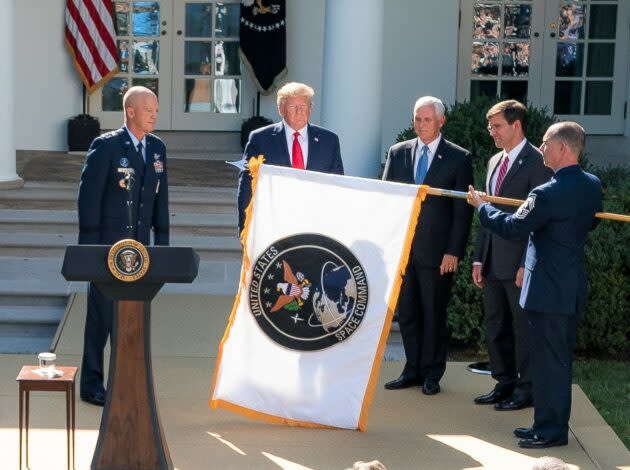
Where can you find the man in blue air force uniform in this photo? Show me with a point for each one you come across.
(557, 216)
(126, 162)
(293, 142)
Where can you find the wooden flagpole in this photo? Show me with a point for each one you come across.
(513, 202)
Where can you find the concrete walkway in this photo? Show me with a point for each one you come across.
(406, 430)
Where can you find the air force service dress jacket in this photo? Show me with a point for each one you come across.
(102, 201)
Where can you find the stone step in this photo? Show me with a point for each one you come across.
(58, 222)
(210, 248)
(36, 195)
(208, 143)
(15, 339)
(31, 314)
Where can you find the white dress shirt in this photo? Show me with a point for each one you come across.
(433, 145)
(302, 139)
(512, 154)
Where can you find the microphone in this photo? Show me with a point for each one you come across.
(127, 181)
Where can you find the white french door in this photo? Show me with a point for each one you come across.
(186, 51)
(566, 55)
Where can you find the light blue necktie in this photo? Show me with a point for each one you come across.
(423, 164)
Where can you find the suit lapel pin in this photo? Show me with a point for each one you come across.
(127, 142)
(439, 156)
(316, 139)
(520, 162)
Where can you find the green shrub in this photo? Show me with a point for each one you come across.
(606, 323)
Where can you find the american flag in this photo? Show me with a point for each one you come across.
(91, 40)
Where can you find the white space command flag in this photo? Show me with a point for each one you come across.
(322, 266)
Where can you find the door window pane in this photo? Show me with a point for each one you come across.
(227, 20)
(572, 19)
(198, 95)
(146, 57)
(569, 59)
(150, 83)
(514, 90)
(226, 59)
(486, 21)
(198, 20)
(123, 55)
(227, 95)
(483, 88)
(567, 97)
(121, 18)
(603, 22)
(113, 92)
(197, 58)
(515, 59)
(146, 19)
(517, 21)
(598, 99)
(485, 58)
(601, 60)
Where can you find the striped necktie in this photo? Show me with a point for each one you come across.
(502, 172)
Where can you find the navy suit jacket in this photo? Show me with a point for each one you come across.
(324, 155)
(444, 222)
(557, 216)
(102, 202)
(526, 172)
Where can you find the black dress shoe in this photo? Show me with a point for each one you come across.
(524, 433)
(490, 398)
(403, 381)
(97, 399)
(536, 442)
(514, 403)
(430, 387)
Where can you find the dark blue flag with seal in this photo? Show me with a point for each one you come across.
(263, 41)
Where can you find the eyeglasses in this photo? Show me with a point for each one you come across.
(298, 107)
(494, 127)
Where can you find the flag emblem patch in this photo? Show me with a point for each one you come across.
(308, 292)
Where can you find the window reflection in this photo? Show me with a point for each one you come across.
(121, 18)
(486, 21)
(146, 57)
(197, 58)
(485, 58)
(146, 18)
(515, 59)
(572, 21)
(198, 20)
(198, 95)
(123, 55)
(569, 59)
(517, 21)
(226, 59)
(226, 95)
(113, 92)
(150, 83)
(227, 20)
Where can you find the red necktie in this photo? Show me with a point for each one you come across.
(298, 159)
(502, 172)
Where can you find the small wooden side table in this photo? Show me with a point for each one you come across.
(29, 381)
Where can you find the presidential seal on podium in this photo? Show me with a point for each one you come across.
(128, 260)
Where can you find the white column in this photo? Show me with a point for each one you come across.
(8, 175)
(352, 81)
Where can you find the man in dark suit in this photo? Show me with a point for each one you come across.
(125, 164)
(498, 265)
(293, 142)
(556, 217)
(438, 244)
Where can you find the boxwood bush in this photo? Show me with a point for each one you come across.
(606, 323)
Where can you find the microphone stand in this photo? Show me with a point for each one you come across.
(129, 183)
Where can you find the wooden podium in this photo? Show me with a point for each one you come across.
(130, 435)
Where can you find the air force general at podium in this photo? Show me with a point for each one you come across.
(132, 158)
